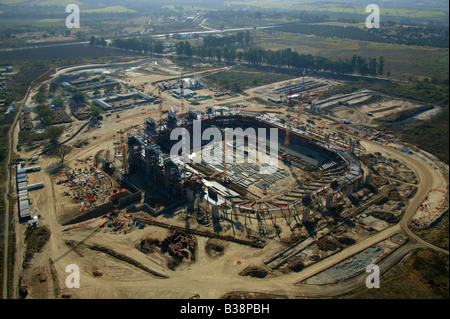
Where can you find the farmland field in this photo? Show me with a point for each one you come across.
(115, 9)
(402, 61)
(61, 3)
(345, 8)
(63, 52)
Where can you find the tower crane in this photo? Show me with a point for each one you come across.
(160, 107)
(299, 112)
(182, 111)
(288, 120)
(288, 129)
(183, 114)
(123, 150)
(225, 177)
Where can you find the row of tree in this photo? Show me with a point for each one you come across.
(101, 42)
(214, 48)
(422, 36)
(232, 40)
(286, 58)
(141, 45)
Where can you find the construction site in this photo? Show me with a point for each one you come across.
(131, 215)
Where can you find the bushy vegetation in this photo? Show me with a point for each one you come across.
(422, 36)
(140, 45)
(285, 58)
(240, 79)
(35, 240)
(423, 276)
(239, 39)
(68, 54)
(432, 135)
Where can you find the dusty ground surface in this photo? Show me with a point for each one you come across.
(129, 272)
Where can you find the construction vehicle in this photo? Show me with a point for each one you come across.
(97, 273)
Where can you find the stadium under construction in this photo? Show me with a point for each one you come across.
(307, 166)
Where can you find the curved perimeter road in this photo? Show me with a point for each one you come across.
(216, 286)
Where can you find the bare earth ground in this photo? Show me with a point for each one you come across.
(207, 277)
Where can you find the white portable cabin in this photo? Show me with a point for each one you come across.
(35, 186)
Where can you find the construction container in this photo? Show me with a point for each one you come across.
(22, 186)
(25, 213)
(35, 186)
(32, 169)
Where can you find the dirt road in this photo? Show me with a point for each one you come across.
(208, 277)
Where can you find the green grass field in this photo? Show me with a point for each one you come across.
(345, 8)
(32, 22)
(49, 20)
(115, 9)
(12, 1)
(402, 61)
(59, 3)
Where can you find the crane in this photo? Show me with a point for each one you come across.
(123, 146)
(289, 98)
(288, 128)
(288, 120)
(223, 154)
(182, 111)
(160, 107)
(310, 101)
(299, 112)
(182, 114)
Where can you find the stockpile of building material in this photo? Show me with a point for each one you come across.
(59, 116)
(25, 121)
(177, 244)
(81, 112)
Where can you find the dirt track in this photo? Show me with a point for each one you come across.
(208, 277)
(122, 280)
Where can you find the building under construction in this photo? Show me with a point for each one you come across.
(239, 185)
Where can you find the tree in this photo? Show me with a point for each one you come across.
(58, 102)
(53, 87)
(48, 120)
(95, 111)
(78, 98)
(187, 49)
(380, 65)
(54, 132)
(60, 151)
(39, 98)
(247, 38)
(179, 48)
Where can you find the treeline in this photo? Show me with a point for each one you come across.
(432, 135)
(100, 42)
(286, 58)
(421, 36)
(280, 58)
(239, 39)
(141, 45)
(240, 18)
